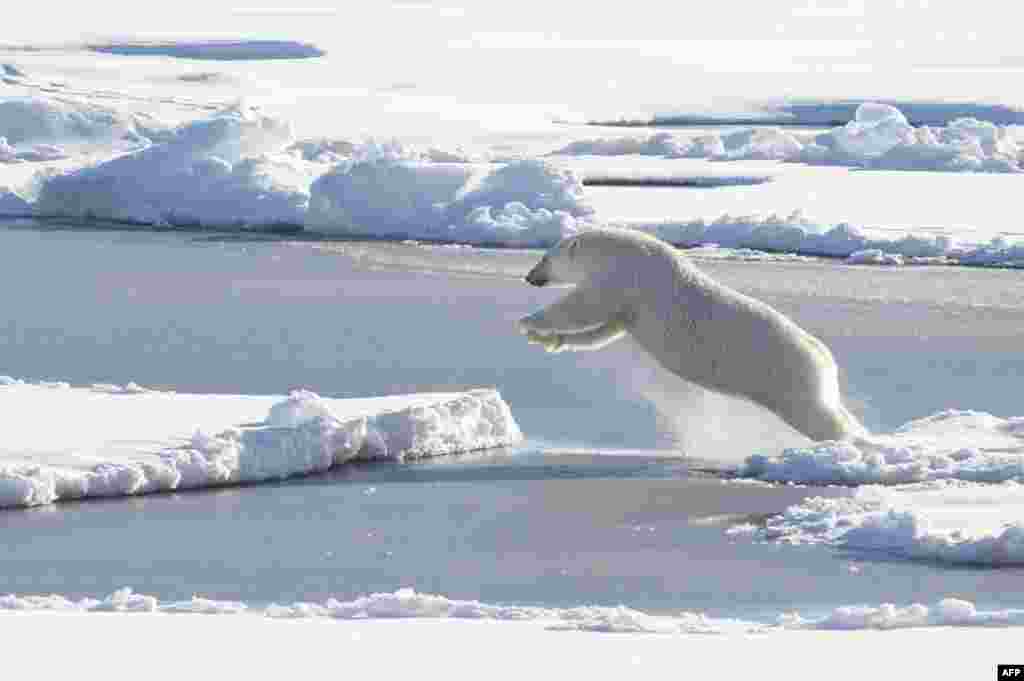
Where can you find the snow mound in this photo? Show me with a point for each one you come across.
(831, 112)
(947, 521)
(221, 50)
(797, 234)
(297, 435)
(946, 488)
(220, 170)
(879, 137)
(659, 144)
(961, 445)
(947, 612)
(793, 233)
(52, 128)
(522, 203)
(874, 256)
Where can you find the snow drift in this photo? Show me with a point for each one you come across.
(523, 203)
(220, 170)
(879, 137)
(123, 440)
(45, 129)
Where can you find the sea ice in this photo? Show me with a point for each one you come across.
(522, 203)
(948, 521)
(220, 170)
(122, 440)
(960, 445)
(879, 137)
(406, 603)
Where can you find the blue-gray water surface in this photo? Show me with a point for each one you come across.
(529, 525)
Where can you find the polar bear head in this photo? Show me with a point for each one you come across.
(576, 258)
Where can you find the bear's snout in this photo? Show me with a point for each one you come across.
(536, 278)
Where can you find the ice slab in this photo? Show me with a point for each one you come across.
(63, 443)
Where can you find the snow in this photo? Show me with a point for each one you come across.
(219, 170)
(947, 612)
(34, 129)
(955, 491)
(473, 648)
(961, 445)
(948, 521)
(826, 112)
(123, 440)
(407, 604)
(531, 202)
(242, 167)
(798, 234)
(879, 137)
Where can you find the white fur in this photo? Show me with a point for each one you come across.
(693, 326)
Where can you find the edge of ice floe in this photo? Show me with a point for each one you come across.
(300, 436)
(407, 603)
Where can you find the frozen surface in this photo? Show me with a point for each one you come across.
(370, 645)
(407, 604)
(798, 234)
(39, 129)
(947, 521)
(827, 112)
(878, 137)
(961, 445)
(124, 440)
(219, 170)
(243, 167)
(531, 202)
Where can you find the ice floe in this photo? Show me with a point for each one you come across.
(530, 202)
(810, 112)
(960, 445)
(947, 521)
(406, 603)
(879, 137)
(123, 440)
(947, 488)
(220, 170)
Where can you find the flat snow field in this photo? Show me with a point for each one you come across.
(127, 646)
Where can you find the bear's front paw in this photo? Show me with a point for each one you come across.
(550, 342)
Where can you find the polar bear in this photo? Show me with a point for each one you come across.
(702, 331)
